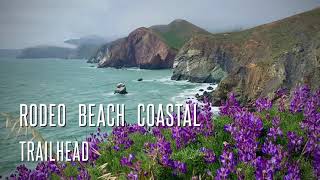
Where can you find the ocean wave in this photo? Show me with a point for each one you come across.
(88, 67)
(136, 69)
(108, 94)
(189, 95)
(167, 80)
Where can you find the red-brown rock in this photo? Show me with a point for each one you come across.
(143, 48)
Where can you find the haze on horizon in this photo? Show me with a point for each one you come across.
(37, 22)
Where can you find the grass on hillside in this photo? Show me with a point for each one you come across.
(178, 32)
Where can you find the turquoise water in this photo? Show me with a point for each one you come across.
(72, 82)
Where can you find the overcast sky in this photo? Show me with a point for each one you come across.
(33, 22)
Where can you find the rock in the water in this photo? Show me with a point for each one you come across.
(210, 88)
(201, 90)
(121, 89)
(199, 97)
(140, 79)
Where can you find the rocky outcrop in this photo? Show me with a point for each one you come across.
(143, 48)
(99, 54)
(121, 89)
(201, 60)
(150, 48)
(255, 62)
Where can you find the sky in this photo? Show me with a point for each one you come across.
(25, 23)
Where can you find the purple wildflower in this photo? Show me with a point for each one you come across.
(293, 172)
(222, 173)
(180, 166)
(295, 142)
(208, 154)
(274, 132)
(127, 161)
(230, 107)
(263, 104)
(132, 176)
(264, 169)
(299, 99)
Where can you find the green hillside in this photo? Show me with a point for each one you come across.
(178, 32)
(277, 37)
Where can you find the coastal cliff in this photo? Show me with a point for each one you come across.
(257, 61)
(147, 48)
(142, 48)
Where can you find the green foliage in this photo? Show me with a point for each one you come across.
(173, 40)
(193, 159)
(247, 170)
(290, 122)
(71, 171)
(178, 32)
(306, 169)
(54, 177)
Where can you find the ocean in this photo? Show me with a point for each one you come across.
(73, 82)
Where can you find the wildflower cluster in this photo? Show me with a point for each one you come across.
(295, 142)
(134, 166)
(161, 152)
(311, 122)
(209, 155)
(279, 139)
(228, 163)
(49, 169)
(185, 135)
(281, 94)
(120, 135)
(301, 96)
(247, 129)
(93, 141)
(263, 104)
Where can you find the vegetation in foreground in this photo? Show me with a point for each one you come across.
(275, 141)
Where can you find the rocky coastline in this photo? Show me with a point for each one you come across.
(255, 62)
(251, 63)
(147, 48)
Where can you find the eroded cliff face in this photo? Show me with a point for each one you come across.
(202, 60)
(255, 62)
(142, 48)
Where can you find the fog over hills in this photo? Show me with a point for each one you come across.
(34, 22)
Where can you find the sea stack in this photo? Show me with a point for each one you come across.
(121, 89)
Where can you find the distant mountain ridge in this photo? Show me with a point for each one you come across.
(9, 53)
(45, 51)
(87, 40)
(85, 48)
(150, 48)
